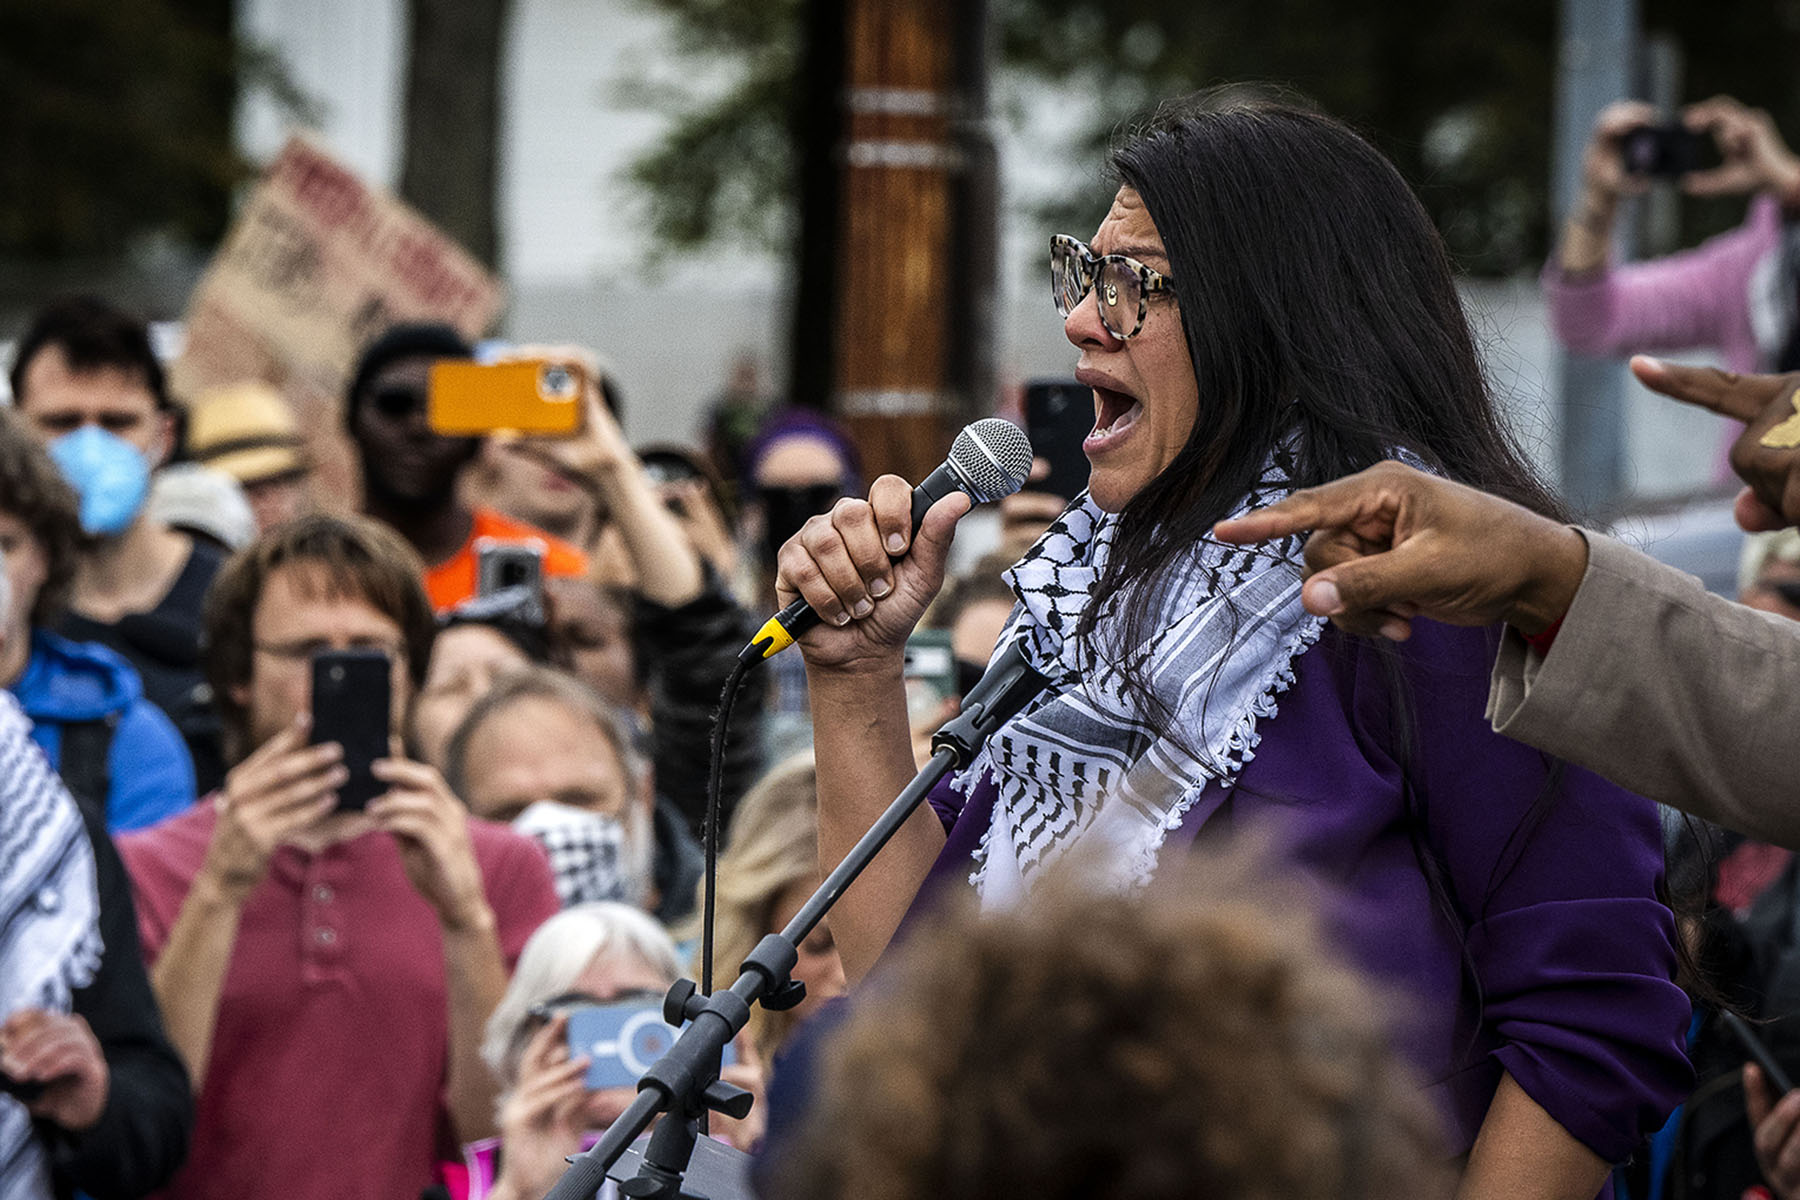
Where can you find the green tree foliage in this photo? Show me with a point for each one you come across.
(1746, 49)
(115, 124)
(1458, 95)
(725, 171)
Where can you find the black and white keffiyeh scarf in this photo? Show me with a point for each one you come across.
(1082, 762)
(49, 918)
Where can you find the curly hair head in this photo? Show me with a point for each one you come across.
(33, 492)
(1192, 1041)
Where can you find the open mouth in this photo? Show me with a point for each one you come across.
(1115, 412)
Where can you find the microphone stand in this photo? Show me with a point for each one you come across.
(685, 1081)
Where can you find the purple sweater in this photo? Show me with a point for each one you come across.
(1557, 900)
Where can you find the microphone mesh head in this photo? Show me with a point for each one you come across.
(993, 456)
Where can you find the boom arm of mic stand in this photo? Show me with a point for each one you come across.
(675, 1082)
(679, 1081)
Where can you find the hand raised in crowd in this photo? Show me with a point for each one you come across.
(1391, 543)
(61, 1052)
(432, 828)
(1775, 1131)
(865, 574)
(283, 787)
(1767, 404)
(600, 446)
(1603, 175)
(692, 504)
(1755, 157)
(542, 1120)
(1586, 242)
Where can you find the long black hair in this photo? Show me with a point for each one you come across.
(1320, 312)
(1318, 305)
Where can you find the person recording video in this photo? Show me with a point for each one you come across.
(1735, 293)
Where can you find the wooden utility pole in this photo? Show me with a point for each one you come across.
(895, 272)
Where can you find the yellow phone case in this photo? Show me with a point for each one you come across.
(474, 399)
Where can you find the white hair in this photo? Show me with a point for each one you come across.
(556, 955)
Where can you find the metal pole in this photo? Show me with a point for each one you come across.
(1596, 54)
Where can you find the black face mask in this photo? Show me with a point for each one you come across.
(785, 510)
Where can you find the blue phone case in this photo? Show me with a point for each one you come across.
(621, 1041)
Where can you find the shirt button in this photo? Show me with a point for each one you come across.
(322, 893)
(325, 936)
(47, 900)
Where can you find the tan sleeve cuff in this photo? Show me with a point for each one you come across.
(1532, 697)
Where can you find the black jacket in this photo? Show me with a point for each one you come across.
(686, 653)
(142, 1136)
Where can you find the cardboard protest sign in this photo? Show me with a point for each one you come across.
(315, 265)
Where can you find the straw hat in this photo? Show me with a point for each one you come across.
(245, 430)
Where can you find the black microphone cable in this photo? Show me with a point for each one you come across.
(990, 458)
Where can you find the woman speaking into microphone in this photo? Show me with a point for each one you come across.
(1266, 306)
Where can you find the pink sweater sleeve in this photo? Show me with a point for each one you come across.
(1699, 298)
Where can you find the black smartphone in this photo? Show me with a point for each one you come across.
(502, 565)
(1665, 151)
(1059, 414)
(351, 705)
(1759, 1053)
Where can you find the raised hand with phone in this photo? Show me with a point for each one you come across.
(687, 621)
(661, 562)
(1718, 147)
(1722, 295)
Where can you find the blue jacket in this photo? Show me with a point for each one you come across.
(150, 774)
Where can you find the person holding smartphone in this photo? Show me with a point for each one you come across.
(410, 470)
(589, 957)
(1735, 293)
(326, 972)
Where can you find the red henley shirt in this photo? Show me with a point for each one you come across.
(331, 1049)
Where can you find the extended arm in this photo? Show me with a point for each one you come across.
(1521, 1153)
(1694, 298)
(476, 977)
(430, 827)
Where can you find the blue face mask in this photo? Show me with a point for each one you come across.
(109, 474)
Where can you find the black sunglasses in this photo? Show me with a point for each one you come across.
(397, 402)
(1788, 590)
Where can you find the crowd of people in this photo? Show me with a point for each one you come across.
(1328, 861)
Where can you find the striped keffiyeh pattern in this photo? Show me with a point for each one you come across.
(1082, 764)
(49, 933)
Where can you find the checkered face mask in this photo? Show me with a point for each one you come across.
(586, 850)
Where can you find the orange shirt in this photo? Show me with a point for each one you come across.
(453, 580)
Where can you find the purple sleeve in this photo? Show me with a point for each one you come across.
(1555, 872)
(1700, 297)
(946, 801)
